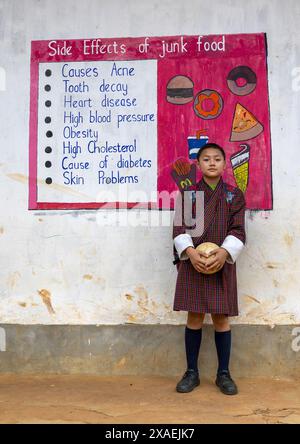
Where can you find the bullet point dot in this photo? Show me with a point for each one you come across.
(48, 164)
(48, 103)
(48, 72)
(47, 119)
(48, 149)
(47, 87)
(49, 133)
(48, 180)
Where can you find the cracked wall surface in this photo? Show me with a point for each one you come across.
(79, 267)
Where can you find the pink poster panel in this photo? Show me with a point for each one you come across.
(118, 122)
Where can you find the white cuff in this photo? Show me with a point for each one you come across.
(181, 242)
(234, 247)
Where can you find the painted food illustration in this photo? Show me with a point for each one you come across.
(245, 126)
(208, 104)
(241, 80)
(180, 90)
(184, 173)
(240, 165)
(197, 142)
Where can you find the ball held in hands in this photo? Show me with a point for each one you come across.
(204, 249)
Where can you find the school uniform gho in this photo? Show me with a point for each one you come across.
(196, 292)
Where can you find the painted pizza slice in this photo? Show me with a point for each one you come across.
(245, 126)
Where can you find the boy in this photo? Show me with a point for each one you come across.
(199, 293)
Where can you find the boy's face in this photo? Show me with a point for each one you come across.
(211, 163)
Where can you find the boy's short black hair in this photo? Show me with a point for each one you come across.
(211, 145)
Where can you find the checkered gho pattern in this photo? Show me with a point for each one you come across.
(214, 293)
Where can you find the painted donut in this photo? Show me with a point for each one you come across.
(208, 104)
(241, 80)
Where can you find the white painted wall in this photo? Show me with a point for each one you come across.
(63, 267)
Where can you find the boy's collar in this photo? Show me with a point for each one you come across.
(216, 185)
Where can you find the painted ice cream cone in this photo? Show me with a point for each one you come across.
(240, 165)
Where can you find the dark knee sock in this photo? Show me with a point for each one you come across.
(223, 345)
(192, 347)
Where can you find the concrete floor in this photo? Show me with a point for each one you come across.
(143, 400)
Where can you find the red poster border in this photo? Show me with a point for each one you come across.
(40, 53)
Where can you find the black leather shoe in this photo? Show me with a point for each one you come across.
(188, 382)
(226, 384)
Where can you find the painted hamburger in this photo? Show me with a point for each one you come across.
(180, 90)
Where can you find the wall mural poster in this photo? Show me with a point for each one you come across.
(114, 122)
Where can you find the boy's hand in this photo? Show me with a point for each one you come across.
(216, 259)
(198, 261)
